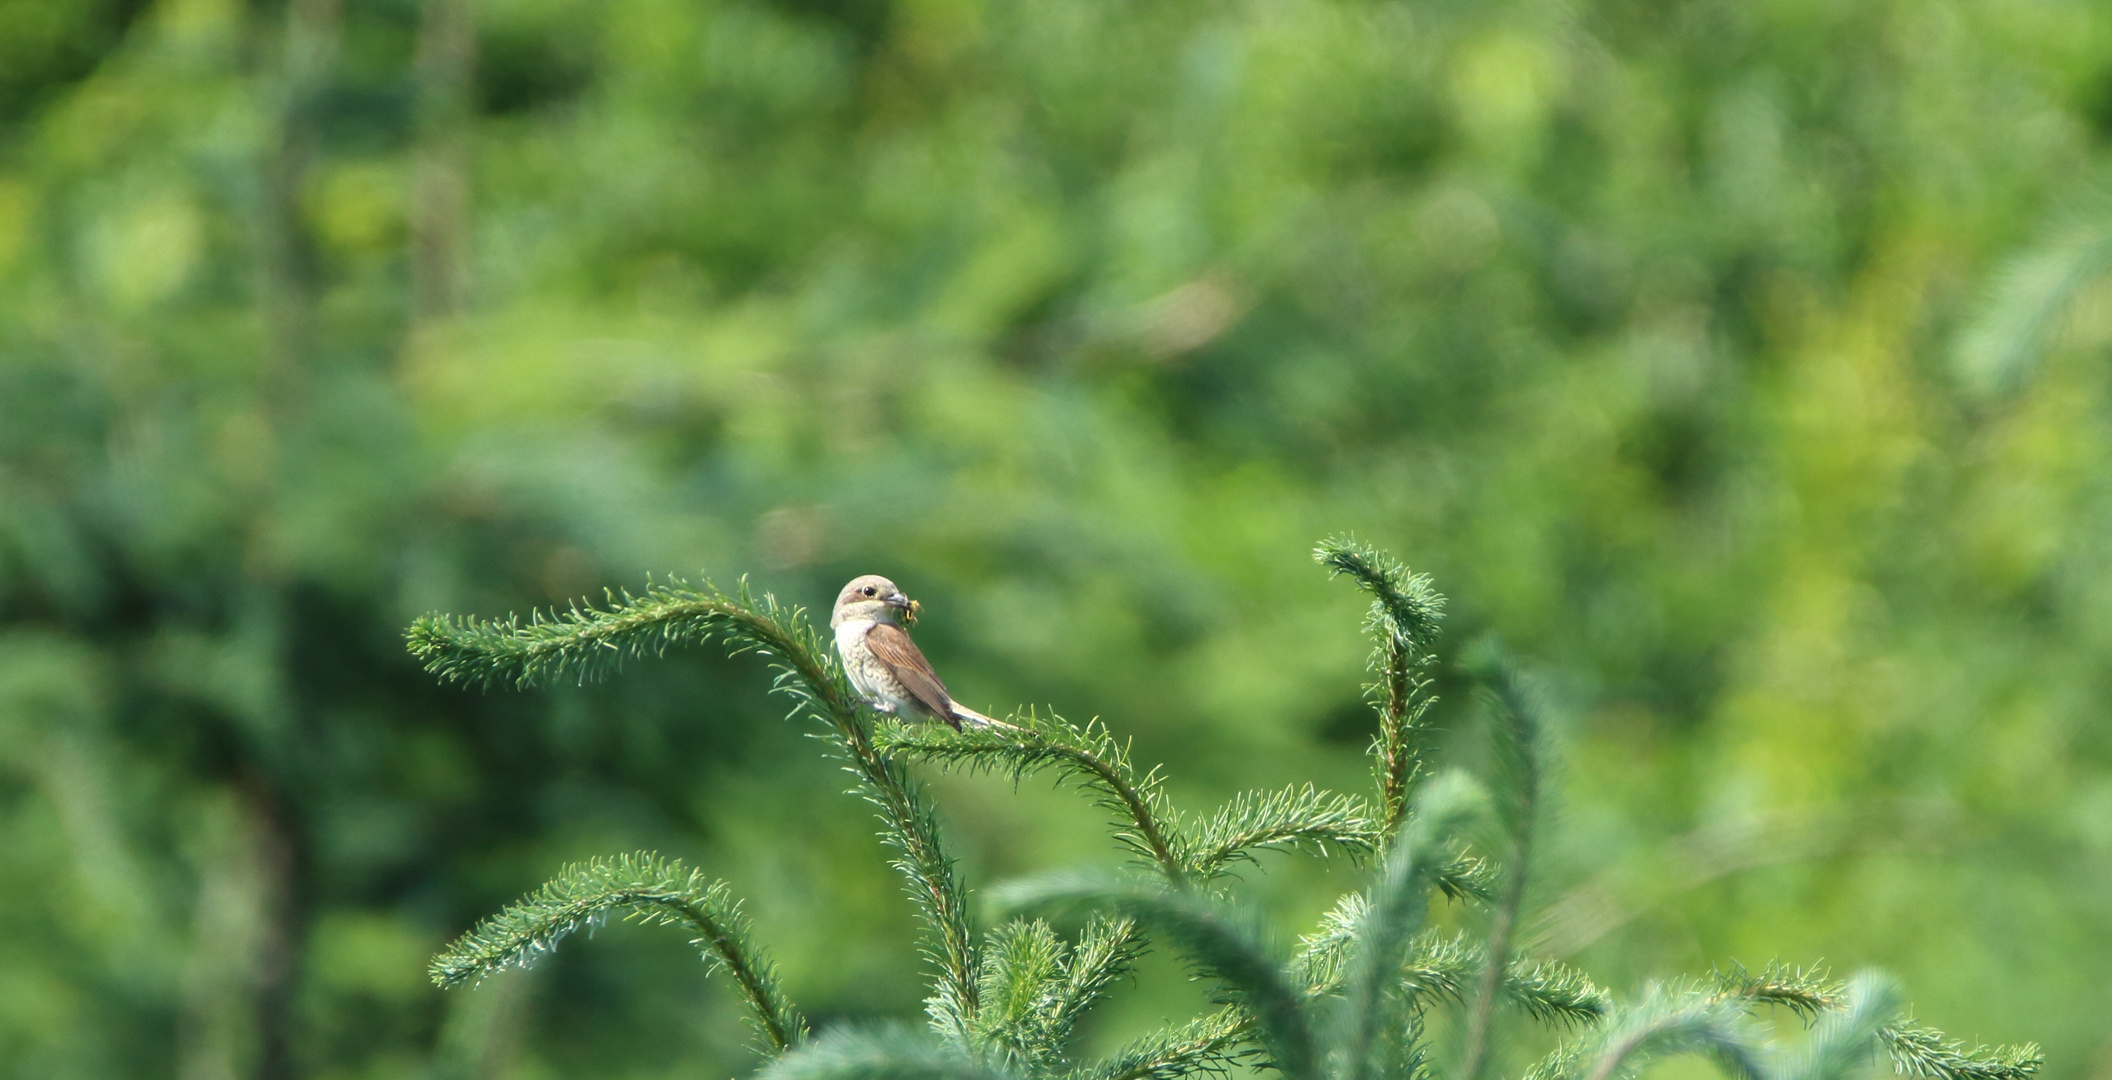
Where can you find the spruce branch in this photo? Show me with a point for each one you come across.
(1465, 877)
(1804, 991)
(1207, 1044)
(1848, 1039)
(1295, 817)
(1403, 621)
(1664, 1025)
(1553, 992)
(1549, 992)
(1035, 988)
(1324, 954)
(1393, 915)
(1104, 953)
(1668, 1021)
(1915, 1050)
(912, 829)
(1090, 755)
(1441, 966)
(1515, 726)
(584, 642)
(642, 887)
(1926, 1052)
(587, 643)
(1220, 941)
(886, 1054)
(1022, 976)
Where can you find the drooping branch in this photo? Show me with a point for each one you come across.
(1090, 755)
(1296, 817)
(642, 887)
(586, 643)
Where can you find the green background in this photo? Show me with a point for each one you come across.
(1687, 344)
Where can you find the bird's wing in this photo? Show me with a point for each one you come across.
(891, 644)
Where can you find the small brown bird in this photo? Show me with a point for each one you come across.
(883, 664)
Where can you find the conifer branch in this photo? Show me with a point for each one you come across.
(887, 1054)
(1393, 915)
(1848, 1039)
(1292, 818)
(1804, 991)
(1465, 878)
(1324, 954)
(645, 888)
(913, 830)
(1663, 1025)
(1219, 941)
(1207, 1044)
(1915, 1050)
(1515, 726)
(1442, 966)
(1403, 621)
(1090, 755)
(1666, 1022)
(584, 642)
(1035, 988)
(588, 643)
(1295, 817)
(1104, 953)
(1022, 975)
(1926, 1052)
(1552, 992)
(1549, 992)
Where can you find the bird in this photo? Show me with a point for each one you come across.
(884, 665)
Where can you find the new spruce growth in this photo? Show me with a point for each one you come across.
(1350, 1003)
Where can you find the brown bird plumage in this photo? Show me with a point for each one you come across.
(884, 665)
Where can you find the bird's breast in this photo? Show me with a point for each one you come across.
(850, 636)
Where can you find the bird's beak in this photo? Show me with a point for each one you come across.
(896, 600)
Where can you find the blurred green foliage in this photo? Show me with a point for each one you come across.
(1636, 323)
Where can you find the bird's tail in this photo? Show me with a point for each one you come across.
(966, 715)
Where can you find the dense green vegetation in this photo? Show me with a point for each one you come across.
(1740, 363)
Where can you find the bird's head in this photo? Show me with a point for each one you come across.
(871, 597)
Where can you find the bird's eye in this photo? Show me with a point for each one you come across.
(868, 590)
